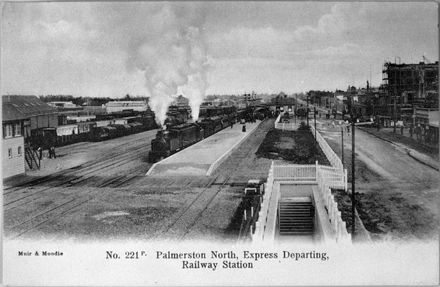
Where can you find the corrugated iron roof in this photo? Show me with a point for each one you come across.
(23, 107)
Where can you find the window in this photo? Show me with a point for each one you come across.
(19, 151)
(10, 152)
(8, 131)
(17, 129)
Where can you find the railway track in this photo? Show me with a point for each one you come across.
(199, 215)
(89, 164)
(182, 225)
(59, 209)
(61, 175)
(30, 193)
(179, 226)
(49, 208)
(82, 176)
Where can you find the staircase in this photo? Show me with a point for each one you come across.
(296, 216)
(31, 157)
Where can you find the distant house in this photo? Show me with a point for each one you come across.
(119, 106)
(62, 104)
(283, 102)
(180, 101)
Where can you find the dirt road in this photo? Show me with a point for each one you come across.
(401, 194)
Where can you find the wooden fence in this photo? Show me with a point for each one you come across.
(332, 157)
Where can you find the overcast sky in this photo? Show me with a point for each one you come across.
(111, 49)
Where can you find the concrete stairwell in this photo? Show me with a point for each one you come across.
(296, 216)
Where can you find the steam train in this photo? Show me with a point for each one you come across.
(177, 137)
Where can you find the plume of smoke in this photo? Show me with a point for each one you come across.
(172, 55)
(196, 86)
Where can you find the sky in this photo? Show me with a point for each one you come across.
(109, 49)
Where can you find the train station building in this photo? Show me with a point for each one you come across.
(23, 117)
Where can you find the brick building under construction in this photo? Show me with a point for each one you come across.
(408, 87)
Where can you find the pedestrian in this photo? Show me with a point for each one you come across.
(52, 152)
(348, 129)
(401, 130)
(232, 124)
(418, 132)
(40, 153)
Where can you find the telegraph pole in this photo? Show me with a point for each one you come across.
(395, 96)
(353, 199)
(342, 144)
(307, 110)
(296, 106)
(314, 116)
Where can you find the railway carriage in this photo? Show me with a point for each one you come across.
(208, 127)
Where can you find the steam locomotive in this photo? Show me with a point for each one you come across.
(177, 137)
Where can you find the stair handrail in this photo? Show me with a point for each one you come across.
(335, 216)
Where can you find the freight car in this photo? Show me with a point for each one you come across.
(103, 128)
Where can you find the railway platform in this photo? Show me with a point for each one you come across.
(204, 157)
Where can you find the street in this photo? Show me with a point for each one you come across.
(401, 193)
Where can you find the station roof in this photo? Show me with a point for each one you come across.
(23, 107)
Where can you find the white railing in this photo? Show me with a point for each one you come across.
(333, 177)
(295, 172)
(334, 215)
(258, 235)
(270, 227)
(326, 177)
(332, 157)
(285, 126)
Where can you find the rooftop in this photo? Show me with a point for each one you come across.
(22, 107)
